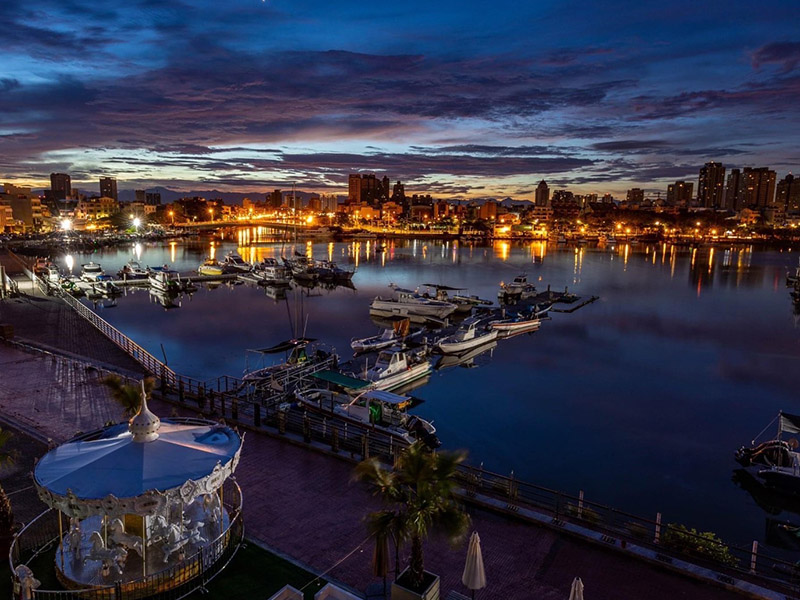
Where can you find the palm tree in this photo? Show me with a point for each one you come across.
(128, 395)
(419, 494)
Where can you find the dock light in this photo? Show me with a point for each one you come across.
(136, 222)
(66, 224)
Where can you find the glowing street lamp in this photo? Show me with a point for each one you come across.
(211, 214)
(66, 225)
(172, 216)
(137, 222)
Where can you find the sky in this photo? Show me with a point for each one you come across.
(456, 99)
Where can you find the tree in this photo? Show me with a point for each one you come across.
(419, 494)
(128, 395)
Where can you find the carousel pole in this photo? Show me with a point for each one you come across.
(144, 546)
(221, 508)
(61, 539)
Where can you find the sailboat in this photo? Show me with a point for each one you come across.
(775, 462)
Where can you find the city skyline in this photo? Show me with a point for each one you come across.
(454, 100)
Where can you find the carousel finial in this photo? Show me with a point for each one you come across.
(144, 425)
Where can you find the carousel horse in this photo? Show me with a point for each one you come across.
(115, 557)
(194, 533)
(74, 537)
(212, 507)
(116, 534)
(157, 529)
(27, 582)
(173, 541)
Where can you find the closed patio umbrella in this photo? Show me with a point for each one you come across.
(576, 593)
(380, 558)
(474, 576)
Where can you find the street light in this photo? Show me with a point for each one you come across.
(66, 224)
(172, 216)
(136, 222)
(211, 213)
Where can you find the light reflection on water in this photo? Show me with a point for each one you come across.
(639, 399)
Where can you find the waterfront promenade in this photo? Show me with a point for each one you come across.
(301, 503)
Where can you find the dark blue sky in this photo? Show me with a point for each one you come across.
(454, 98)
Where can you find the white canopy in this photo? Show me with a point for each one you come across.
(138, 467)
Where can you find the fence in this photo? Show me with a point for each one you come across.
(40, 536)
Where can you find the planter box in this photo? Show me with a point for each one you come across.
(431, 591)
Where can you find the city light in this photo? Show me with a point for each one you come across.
(66, 224)
(136, 222)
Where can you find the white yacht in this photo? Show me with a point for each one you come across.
(395, 368)
(133, 270)
(519, 289)
(381, 410)
(92, 272)
(233, 262)
(410, 303)
(164, 280)
(473, 332)
(273, 272)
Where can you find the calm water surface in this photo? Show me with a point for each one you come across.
(639, 399)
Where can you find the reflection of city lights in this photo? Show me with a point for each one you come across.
(138, 251)
(70, 262)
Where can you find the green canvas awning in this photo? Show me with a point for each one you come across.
(336, 378)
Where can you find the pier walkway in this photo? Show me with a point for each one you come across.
(302, 503)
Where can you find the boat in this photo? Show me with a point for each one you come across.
(330, 271)
(519, 322)
(165, 280)
(462, 302)
(409, 303)
(41, 266)
(792, 279)
(210, 267)
(165, 299)
(92, 272)
(395, 368)
(380, 410)
(388, 337)
(466, 359)
(272, 272)
(234, 263)
(298, 354)
(132, 270)
(471, 333)
(775, 463)
(519, 289)
(53, 274)
(302, 267)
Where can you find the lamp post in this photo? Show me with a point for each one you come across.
(211, 214)
(172, 216)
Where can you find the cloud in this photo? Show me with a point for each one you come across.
(784, 54)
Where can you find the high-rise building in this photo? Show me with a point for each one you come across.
(679, 193)
(757, 187)
(788, 194)
(711, 185)
(635, 195)
(139, 196)
(398, 193)
(354, 188)
(108, 188)
(387, 189)
(60, 185)
(152, 199)
(733, 200)
(274, 199)
(542, 194)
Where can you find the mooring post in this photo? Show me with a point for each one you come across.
(580, 505)
(753, 557)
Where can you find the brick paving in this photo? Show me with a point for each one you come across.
(304, 504)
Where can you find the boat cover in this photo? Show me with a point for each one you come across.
(387, 398)
(285, 346)
(336, 378)
(789, 423)
(113, 464)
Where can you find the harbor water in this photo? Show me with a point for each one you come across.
(639, 399)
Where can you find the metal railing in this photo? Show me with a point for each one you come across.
(175, 582)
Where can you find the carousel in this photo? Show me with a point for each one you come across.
(147, 507)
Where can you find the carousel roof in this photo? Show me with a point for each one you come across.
(129, 460)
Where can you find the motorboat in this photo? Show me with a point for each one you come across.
(41, 266)
(210, 267)
(234, 263)
(520, 322)
(380, 410)
(272, 272)
(133, 270)
(92, 272)
(330, 271)
(164, 279)
(792, 279)
(409, 303)
(298, 353)
(466, 359)
(53, 274)
(462, 302)
(519, 289)
(776, 462)
(388, 337)
(302, 267)
(471, 333)
(394, 368)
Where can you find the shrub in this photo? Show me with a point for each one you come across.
(697, 544)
